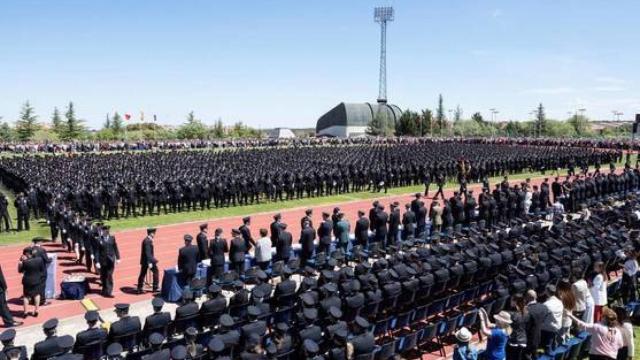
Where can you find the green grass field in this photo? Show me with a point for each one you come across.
(42, 229)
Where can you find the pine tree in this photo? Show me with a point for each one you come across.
(27, 125)
(477, 117)
(107, 123)
(440, 117)
(117, 126)
(540, 121)
(73, 127)
(56, 122)
(457, 115)
(427, 122)
(6, 133)
(218, 130)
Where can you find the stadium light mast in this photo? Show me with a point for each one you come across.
(382, 15)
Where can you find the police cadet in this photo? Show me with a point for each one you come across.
(362, 341)
(237, 252)
(188, 259)
(245, 231)
(93, 334)
(217, 248)
(158, 321)
(203, 242)
(22, 210)
(107, 255)
(4, 214)
(362, 230)
(189, 308)
(307, 245)
(7, 338)
(125, 325)
(148, 262)
(50, 345)
(324, 233)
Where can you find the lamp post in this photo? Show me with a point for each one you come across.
(493, 118)
(450, 122)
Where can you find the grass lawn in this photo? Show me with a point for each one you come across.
(42, 229)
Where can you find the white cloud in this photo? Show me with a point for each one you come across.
(551, 91)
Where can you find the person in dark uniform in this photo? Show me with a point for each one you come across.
(275, 229)
(237, 251)
(7, 338)
(283, 244)
(307, 245)
(394, 224)
(308, 216)
(408, 222)
(155, 350)
(324, 233)
(189, 307)
(158, 320)
(381, 221)
(245, 231)
(31, 267)
(280, 340)
(217, 248)
(7, 318)
(188, 260)
(362, 341)
(362, 230)
(125, 325)
(148, 261)
(93, 334)
(107, 255)
(216, 303)
(4, 213)
(49, 346)
(22, 210)
(203, 242)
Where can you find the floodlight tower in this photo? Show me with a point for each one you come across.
(382, 15)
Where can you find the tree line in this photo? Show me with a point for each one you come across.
(436, 123)
(68, 126)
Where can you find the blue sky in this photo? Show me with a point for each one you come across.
(284, 63)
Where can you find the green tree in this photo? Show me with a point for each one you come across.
(457, 114)
(117, 125)
(408, 124)
(107, 122)
(192, 129)
(218, 130)
(376, 126)
(6, 132)
(580, 124)
(27, 125)
(540, 122)
(440, 117)
(56, 122)
(427, 122)
(477, 117)
(73, 127)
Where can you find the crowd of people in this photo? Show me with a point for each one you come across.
(531, 286)
(108, 186)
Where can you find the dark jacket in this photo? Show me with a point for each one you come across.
(237, 250)
(188, 260)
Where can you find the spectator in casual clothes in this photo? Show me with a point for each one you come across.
(536, 312)
(263, 250)
(498, 334)
(627, 351)
(565, 294)
(584, 301)
(606, 337)
(599, 289)
(462, 349)
(518, 339)
(552, 321)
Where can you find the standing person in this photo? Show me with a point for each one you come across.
(628, 350)
(324, 234)
(343, 229)
(188, 260)
(362, 230)
(440, 181)
(552, 322)
(245, 231)
(462, 350)
(599, 289)
(517, 344)
(307, 245)
(498, 333)
(107, 255)
(606, 337)
(584, 301)
(148, 261)
(394, 224)
(275, 228)
(566, 295)
(283, 245)
(31, 267)
(408, 223)
(237, 250)
(4, 213)
(217, 248)
(202, 241)
(436, 216)
(629, 278)
(39, 251)
(22, 210)
(263, 250)
(7, 318)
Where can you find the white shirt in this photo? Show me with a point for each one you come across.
(599, 291)
(263, 249)
(630, 267)
(553, 318)
(558, 208)
(583, 296)
(627, 338)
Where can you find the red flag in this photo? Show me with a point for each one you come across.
(127, 116)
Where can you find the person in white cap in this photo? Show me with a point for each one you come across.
(463, 350)
(497, 334)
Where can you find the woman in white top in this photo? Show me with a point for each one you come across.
(584, 301)
(527, 200)
(626, 352)
(599, 290)
(629, 276)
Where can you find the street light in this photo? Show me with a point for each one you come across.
(450, 122)
(493, 119)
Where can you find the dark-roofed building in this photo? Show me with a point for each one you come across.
(352, 119)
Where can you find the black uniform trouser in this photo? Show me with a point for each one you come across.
(439, 192)
(143, 273)
(392, 237)
(325, 248)
(214, 272)
(7, 318)
(4, 217)
(23, 222)
(106, 278)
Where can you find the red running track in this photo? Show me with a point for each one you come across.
(168, 240)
